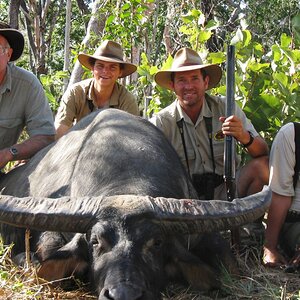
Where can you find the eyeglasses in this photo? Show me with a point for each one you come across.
(3, 49)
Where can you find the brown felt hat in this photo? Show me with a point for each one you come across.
(187, 59)
(15, 39)
(108, 51)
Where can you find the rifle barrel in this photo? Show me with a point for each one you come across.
(229, 151)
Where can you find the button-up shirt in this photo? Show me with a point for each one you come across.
(80, 100)
(23, 104)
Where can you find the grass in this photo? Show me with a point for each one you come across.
(256, 282)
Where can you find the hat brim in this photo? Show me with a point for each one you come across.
(16, 41)
(128, 68)
(163, 78)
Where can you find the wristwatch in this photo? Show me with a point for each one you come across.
(250, 142)
(13, 151)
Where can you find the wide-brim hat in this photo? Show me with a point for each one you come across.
(187, 59)
(108, 51)
(15, 39)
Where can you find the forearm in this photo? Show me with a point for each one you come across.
(233, 126)
(25, 149)
(258, 147)
(276, 216)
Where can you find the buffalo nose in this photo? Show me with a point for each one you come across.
(121, 292)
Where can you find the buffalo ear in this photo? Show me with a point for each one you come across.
(199, 276)
(189, 267)
(69, 260)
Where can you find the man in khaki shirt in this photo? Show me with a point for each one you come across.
(101, 91)
(186, 124)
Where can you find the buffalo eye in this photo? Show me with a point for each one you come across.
(157, 243)
(99, 245)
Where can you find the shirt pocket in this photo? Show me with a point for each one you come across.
(10, 130)
(218, 147)
(191, 155)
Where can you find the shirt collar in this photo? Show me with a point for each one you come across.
(205, 112)
(113, 101)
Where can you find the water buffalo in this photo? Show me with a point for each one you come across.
(111, 202)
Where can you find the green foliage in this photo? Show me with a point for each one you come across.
(268, 19)
(53, 86)
(125, 23)
(267, 84)
(267, 50)
(196, 29)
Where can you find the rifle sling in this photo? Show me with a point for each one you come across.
(208, 124)
(297, 153)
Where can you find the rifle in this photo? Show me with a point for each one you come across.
(230, 147)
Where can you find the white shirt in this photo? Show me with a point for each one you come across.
(282, 163)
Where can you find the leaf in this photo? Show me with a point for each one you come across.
(212, 25)
(204, 36)
(276, 52)
(168, 63)
(126, 6)
(109, 20)
(255, 66)
(216, 57)
(285, 40)
(247, 37)
(282, 80)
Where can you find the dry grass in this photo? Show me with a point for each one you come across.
(256, 282)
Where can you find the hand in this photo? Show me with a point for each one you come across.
(233, 126)
(272, 258)
(5, 157)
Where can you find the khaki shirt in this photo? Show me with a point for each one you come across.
(79, 100)
(282, 163)
(196, 136)
(23, 104)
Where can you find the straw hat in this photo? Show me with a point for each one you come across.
(108, 51)
(187, 59)
(15, 39)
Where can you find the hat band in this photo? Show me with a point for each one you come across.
(109, 56)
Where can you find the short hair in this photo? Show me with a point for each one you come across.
(203, 72)
(93, 60)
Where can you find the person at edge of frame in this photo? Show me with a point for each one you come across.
(23, 104)
(282, 235)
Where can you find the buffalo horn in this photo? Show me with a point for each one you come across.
(175, 215)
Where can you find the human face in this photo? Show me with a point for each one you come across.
(190, 87)
(5, 54)
(106, 73)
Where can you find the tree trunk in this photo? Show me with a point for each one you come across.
(166, 35)
(83, 9)
(95, 28)
(14, 8)
(67, 41)
(35, 13)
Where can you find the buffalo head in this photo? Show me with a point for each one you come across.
(135, 244)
